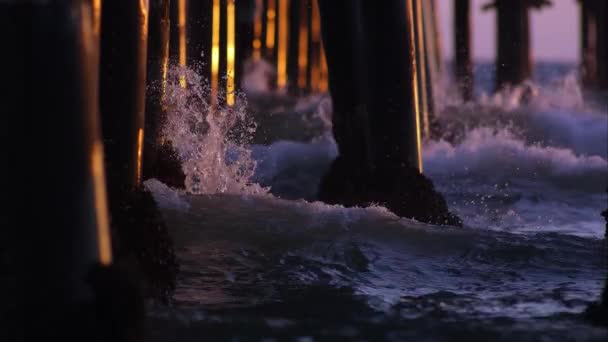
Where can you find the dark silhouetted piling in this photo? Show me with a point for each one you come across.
(245, 27)
(390, 37)
(589, 62)
(463, 68)
(513, 56)
(293, 69)
(70, 152)
(191, 27)
(594, 44)
(372, 79)
(122, 90)
(160, 158)
(304, 47)
(602, 43)
(223, 47)
(513, 59)
(140, 238)
(342, 37)
(59, 289)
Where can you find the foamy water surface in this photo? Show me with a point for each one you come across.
(526, 169)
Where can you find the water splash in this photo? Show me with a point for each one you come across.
(257, 77)
(210, 137)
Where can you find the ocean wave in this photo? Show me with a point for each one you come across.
(497, 156)
(233, 242)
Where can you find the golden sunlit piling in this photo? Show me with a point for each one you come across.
(257, 31)
(215, 50)
(271, 15)
(101, 204)
(283, 42)
(97, 17)
(421, 67)
(182, 37)
(416, 94)
(144, 5)
(303, 45)
(97, 167)
(323, 76)
(141, 105)
(436, 33)
(140, 148)
(230, 54)
(315, 37)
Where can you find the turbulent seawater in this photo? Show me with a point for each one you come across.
(526, 169)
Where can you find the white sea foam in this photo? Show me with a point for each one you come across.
(498, 155)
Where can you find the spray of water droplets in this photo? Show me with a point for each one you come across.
(210, 137)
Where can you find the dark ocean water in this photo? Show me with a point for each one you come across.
(261, 260)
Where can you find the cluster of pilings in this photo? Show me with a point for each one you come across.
(85, 71)
(96, 72)
(513, 54)
(96, 242)
(217, 37)
(514, 62)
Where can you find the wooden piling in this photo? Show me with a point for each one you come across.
(421, 60)
(283, 28)
(124, 39)
(157, 69)
(393, 88)
(190, 41)
(602, 44)
(433, 58)
(589, 25)
(269, 30)
(463, 69)
(314, 56)
(54, 182)
(223, 49)
(346, 182)
(293, 48)
(258, 24)
(160, 159)
(138, 230)
(513, 59)
(304, 47)
(371, 59)
(435, 32)
(244, 36)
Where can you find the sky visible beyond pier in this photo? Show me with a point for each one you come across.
(555, 31)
